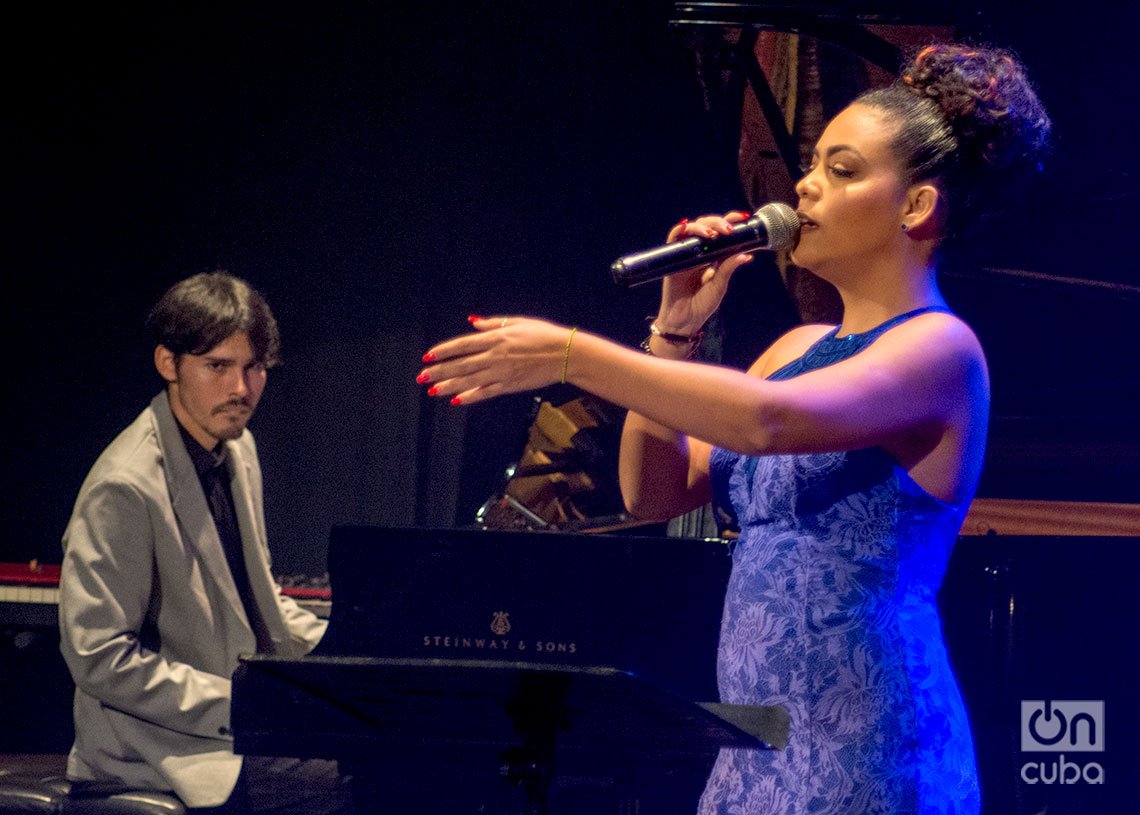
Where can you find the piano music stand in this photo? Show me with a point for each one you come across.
(539, 716)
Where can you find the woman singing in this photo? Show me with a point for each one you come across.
(848, 454)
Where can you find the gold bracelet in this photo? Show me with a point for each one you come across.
(566, 354)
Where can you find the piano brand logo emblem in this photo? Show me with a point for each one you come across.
(1062, 726)
(500, 623)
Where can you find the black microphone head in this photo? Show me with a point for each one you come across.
(782, 224)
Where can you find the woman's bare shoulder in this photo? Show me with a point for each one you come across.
(938, 334)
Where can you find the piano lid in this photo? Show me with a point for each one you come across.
(344, 707)
(467, 639)
(647, 605)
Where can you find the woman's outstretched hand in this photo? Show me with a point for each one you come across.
(514, 354)
(689, 298)
(504, 355)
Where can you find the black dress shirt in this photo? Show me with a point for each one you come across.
(215, 479)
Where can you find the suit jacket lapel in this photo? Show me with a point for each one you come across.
(190, 508)
(254, 545)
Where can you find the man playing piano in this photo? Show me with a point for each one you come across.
(166, 580)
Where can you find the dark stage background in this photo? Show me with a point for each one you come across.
(382, 170)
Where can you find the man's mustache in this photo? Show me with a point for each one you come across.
(233, 403)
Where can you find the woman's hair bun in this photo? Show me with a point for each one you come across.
(987, 101)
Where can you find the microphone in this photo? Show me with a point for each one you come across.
(772, 227)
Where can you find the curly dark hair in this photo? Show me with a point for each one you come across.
(970, 121)
(198, 313)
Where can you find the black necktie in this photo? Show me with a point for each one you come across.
(216, 485)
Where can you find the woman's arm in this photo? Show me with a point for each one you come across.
(910, 377)
(664, 473)
(912, 381)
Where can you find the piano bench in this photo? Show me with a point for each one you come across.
(21, 794)
(32, 795)
(128, 802)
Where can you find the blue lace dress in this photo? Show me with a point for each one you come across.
(831, 612)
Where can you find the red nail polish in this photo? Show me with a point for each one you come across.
(433, 390)
(424, 377)
(455, 400)
(429, 357)
(474, 318)
(682, 222)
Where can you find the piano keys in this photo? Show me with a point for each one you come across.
(29, 593)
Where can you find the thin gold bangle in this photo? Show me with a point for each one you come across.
(566, 354)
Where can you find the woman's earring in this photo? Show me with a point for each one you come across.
(903, 227)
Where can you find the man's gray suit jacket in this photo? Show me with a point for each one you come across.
(151, 624)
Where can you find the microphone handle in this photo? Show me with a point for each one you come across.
(691, 253)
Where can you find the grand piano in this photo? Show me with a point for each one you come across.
(534, 670)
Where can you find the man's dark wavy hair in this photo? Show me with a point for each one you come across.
(198, 313)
